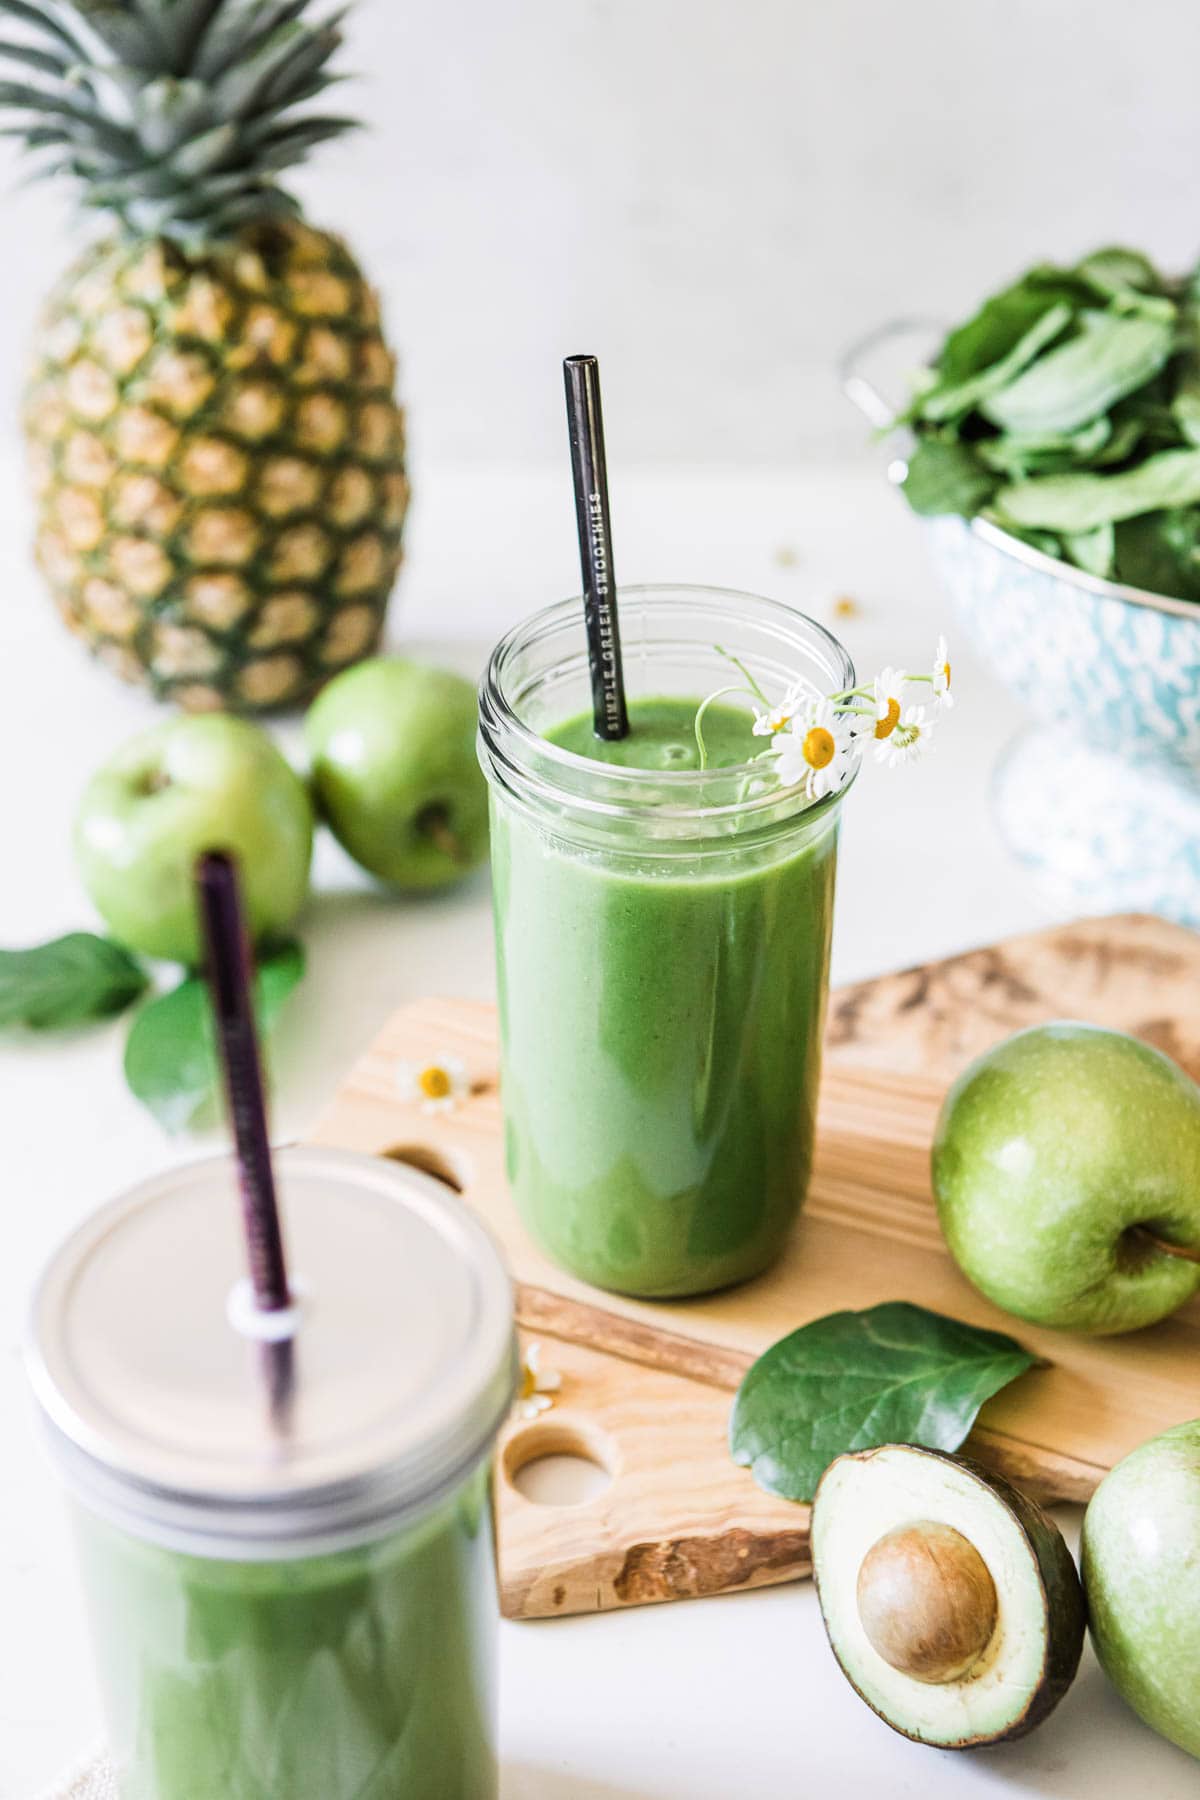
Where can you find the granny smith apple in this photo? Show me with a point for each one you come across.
(1141, 1575)
(1066, 1165)
(394, 770)
(208, 782)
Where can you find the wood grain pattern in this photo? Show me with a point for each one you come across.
(647, 1384)
(623, 1548)
(1132, 972)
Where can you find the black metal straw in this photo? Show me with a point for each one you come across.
(229, 971)
(581, 375)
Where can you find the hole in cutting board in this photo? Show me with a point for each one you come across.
(557, 1463)
(429, 1161)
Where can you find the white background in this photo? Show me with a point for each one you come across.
(716, 194)
(714, 197)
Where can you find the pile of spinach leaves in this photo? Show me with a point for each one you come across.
(1067, 411)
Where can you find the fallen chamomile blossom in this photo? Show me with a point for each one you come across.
(537, 1386)
(437, 1086)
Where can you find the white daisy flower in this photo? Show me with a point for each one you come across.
(908, 740)
(536, 1387)
(816, 751)
(889, 701)
(767, 724)
(941, 676)
(437, 1086)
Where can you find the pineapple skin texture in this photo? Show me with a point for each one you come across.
(217, 459)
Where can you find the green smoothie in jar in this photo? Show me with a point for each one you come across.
(663, 935)
(301, 1607)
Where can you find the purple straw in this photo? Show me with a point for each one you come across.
(229, 971)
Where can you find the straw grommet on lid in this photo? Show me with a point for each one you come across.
(404, 1345)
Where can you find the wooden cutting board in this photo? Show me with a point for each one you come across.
(646, 1386)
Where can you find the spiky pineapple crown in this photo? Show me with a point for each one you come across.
(175, 116)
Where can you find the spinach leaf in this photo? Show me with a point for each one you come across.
(1160, 551)
(892, 1374)
(1067, 410)
(1004, 319)
(1186, 407)
(1125, 433)
(1048, 542)
(1047, 453)
(945, 476)
(1116, 266)
(1093, 550)
(67, 981)
(170, 1056)
(1075, 503)
(1128, 277)
(1185, 401)
(1110, 355)
(951, 400)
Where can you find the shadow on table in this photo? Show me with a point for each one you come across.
(1093, 1745)
(529, 1781)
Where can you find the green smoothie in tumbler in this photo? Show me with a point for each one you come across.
(295, 1604)
(662, 1004)
(360, 1675)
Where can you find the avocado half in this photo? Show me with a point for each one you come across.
(951, 1601)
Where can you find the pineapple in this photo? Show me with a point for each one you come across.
(216, 451)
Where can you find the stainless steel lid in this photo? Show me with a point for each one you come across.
(155, 1397)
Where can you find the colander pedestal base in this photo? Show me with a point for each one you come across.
(1101, 833)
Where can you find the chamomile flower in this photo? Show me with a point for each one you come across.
(767, 724)
(908, 740)
(941, 676)
(889, 701)
(437, 1086)
(537, 1386)
(816, 751)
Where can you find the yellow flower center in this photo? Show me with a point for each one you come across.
(528, 1383)
(884, 727)
(434, 1083)
(818, 747)
(946, 673)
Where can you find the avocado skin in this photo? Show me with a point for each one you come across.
(1065, 1612)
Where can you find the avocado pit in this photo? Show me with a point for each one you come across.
(927, 1601)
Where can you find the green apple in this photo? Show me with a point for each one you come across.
(395, 773)
(208, 782)
(1066, 1165)
(1141, 1576)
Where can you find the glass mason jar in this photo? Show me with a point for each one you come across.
(662, 941)
(297, 1605)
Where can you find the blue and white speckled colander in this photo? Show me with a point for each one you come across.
(1101, 797)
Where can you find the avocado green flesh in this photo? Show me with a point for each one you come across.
(1035, 1647)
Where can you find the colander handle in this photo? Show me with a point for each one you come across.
(859, 386)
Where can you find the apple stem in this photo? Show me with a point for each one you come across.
(434, 823)
(1157, 1243)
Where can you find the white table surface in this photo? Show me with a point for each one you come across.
(710, 1700)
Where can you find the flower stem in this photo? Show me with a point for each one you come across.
(744, 672)
(703, 707)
